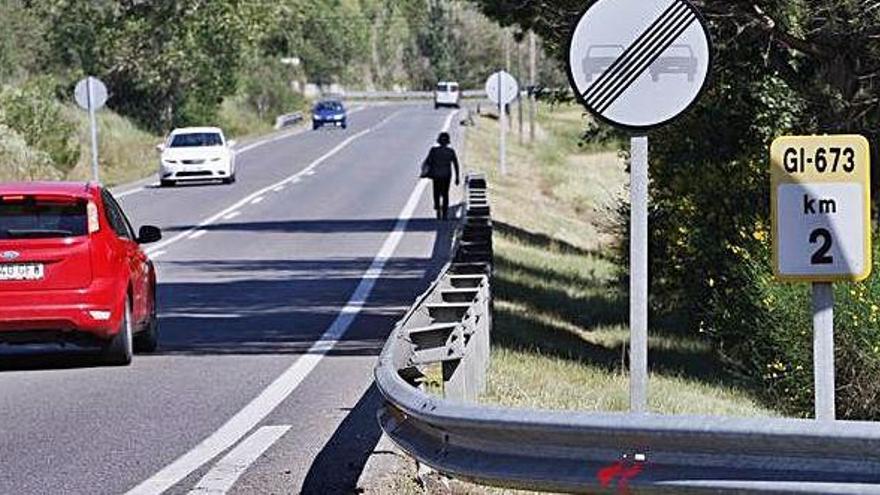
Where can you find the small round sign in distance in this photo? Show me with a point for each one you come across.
(639, 64)
(98, 96)
(509, 87)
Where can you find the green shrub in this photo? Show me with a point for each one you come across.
(20, 162)
(765, 327)
(34, 113)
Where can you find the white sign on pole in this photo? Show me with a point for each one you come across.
(638, 64)
(91, 94)
(90, 100)
(501, 87)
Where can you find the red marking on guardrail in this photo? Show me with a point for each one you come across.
(623, 471)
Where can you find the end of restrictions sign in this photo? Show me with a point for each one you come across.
(821, 204)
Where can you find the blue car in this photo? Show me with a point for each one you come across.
(329, 112)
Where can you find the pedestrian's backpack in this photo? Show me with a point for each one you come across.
(426, 168)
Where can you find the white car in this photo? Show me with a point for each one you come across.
(196, 154)
(447, 94)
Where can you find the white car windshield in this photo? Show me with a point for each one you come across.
(196, 139)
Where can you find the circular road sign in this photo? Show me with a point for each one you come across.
(637, 64)
(501, 88)
(90, 93)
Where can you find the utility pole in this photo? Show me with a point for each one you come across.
(533, 62)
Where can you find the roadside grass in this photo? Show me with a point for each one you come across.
(125, 151)
(561, 334)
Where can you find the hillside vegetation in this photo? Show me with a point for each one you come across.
(232, 63)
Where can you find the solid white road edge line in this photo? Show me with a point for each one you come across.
(273, 395)
(226, 472)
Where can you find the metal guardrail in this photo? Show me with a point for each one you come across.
(584, 452)
(288, 120)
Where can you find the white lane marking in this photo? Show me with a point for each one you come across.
(128, 193)
(212, 219)
(283, 136)
(296, 180)
(232, 215)
(236, 150)
(257, 200)
(273, 395)
(197, 234)
(226, 472)
(278, 189)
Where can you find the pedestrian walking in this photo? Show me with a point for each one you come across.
(438, 167)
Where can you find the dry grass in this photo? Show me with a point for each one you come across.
(126, 152)
(560, 340)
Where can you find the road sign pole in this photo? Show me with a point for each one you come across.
(532, 82)
(823, 350)
(94, 124)
(502, 129)
(638, 282)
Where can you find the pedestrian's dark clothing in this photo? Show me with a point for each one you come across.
(438, 167)
(441, 196)
(440, 161)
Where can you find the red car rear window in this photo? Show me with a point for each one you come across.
(32, 217)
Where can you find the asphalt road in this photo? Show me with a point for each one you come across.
(276, 295)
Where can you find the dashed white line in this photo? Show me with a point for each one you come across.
(240, 150)
(226, 472)
(273, 395)
(128, 193)
(232, 215)
(197, 234)
(257, 200)
(278, 189)
(247, 199)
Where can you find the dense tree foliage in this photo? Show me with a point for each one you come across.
(172, 62)
(781, 67)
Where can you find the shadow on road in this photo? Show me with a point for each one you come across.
(315, 226)
(338, 466)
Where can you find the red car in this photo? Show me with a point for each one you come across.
(73, 271)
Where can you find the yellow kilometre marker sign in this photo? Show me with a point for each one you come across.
(821, 207)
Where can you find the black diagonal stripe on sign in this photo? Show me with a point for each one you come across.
(625, 57)
(637, 55)
(624, 85)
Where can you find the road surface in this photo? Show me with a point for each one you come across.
(275, 297)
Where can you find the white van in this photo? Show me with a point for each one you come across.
(447, 94)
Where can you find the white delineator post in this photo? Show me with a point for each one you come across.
(90, 90)
(638, 284)
(502, 128)
(823, 350)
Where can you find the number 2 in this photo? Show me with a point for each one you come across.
(821, 256)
